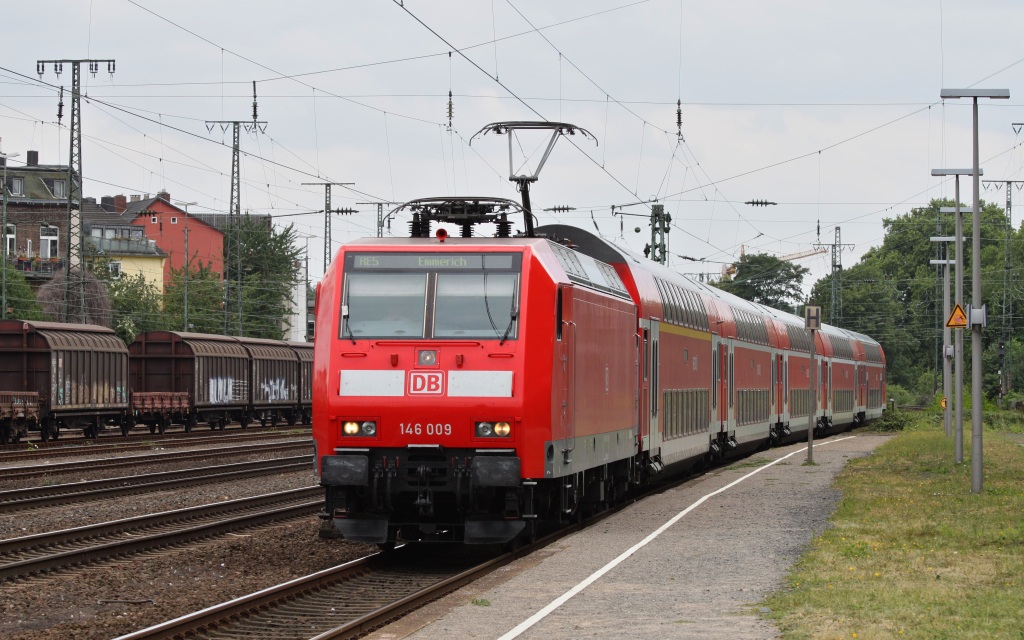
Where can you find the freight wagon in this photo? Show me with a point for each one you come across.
(57, 376)
(217, 379)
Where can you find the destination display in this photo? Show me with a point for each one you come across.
(433, 261)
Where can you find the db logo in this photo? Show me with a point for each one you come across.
(426, 382)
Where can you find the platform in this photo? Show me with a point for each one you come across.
(692, 562)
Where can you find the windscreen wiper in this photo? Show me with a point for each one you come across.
(345, 327)
(511, 321)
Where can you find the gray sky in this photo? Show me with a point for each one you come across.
(830, 109)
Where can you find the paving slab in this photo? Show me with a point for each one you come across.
(691, 562)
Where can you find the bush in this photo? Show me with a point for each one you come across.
(892, 420)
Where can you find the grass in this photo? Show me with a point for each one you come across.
(911, 552)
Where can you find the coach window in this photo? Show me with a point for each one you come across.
(384, 305)
(478, 305)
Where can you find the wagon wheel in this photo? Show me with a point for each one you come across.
(125, 426)
(263, 419)
(291, 419)
(92, 431)
(190, 423)
(152, 427)
(273, 419)
(222, 423)
(163, 422)
(44, 430)
(5, 433)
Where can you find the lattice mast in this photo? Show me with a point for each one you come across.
(233, 250)
(74, 251)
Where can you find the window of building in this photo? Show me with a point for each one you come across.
(58, 189)
(10, 236)
(17, 186)
(174, 221)
(49, 245)
(153, 220)
(115, 269)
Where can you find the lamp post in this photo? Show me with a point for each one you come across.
(3, 250)
(958, 350)
(977, 315)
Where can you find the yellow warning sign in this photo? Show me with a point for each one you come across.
(957, 319)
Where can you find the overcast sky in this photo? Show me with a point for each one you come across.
(829, 109)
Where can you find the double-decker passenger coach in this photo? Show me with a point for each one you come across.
(477, 388)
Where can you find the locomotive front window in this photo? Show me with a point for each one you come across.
(385, 305)
(427, 295)
(479, 305)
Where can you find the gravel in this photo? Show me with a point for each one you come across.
(111, 599)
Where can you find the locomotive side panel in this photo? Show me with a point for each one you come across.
(598, 390)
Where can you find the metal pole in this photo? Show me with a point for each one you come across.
(187, 261)
(976, 346)
(946, 382)
(958, 364)
(3, 251)
(814, 403)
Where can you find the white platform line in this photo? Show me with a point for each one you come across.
(543, 613)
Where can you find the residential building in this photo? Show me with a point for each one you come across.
(120, 246)
(37, 216)
(171, 227)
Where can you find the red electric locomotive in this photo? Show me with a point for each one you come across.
(474, 388)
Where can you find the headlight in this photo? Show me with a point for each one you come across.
(426, 358)
(493, 429)
(353, 428)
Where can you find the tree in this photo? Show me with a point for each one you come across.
(270, 267)
(21, 299)
(97, 309)
(894, 295)
(765, 279)
(205, 299)
(137, 305)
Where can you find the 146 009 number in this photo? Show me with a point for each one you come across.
(430, 429)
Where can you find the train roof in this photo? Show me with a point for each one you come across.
(587, 243)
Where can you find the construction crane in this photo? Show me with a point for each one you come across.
(804, 254)
(730, 269)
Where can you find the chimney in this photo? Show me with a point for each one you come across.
(135, 197)
(164, 195)
(107, 203)
(120, 204)
(32, 159)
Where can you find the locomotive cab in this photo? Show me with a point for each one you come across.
(423, 418)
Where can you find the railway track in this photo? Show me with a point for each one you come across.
(30, 555)
(61, 494)
(346, 601)
(35, 451)
(135, 461)
(358, 597)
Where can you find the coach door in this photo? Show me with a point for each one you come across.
(654, 383)
(567, 332)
